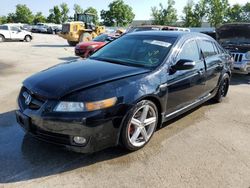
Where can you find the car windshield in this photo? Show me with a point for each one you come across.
(101, 38)
(136, 50)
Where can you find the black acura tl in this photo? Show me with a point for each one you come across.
(124, 91)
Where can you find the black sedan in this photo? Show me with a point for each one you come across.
(124, 91)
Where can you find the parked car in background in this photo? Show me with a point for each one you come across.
(39, 29)
(85, 49)
(26, 27)
(124, 91)
(155, 28)
(10, 32)
(46, 28)
(235, 38)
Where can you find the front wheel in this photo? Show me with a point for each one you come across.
(140, 125)
(27, 38)
(223, 88)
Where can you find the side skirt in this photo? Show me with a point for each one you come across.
(167, 117)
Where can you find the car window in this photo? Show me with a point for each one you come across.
(189, 51)
(101, 38)
(136, 50)
(216, 48)
(3, 27)
(14, 28)
(207, 48)
(221, 50)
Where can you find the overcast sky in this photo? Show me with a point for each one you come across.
(141, 8)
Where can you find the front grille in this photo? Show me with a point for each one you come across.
(66, 28)
(29, 100)
(237, 57)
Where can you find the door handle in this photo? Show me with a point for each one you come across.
(201, 72)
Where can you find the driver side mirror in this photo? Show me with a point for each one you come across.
(19, 30)
(184, 64)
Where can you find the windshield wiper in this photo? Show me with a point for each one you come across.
(120, 62)
(110, 60)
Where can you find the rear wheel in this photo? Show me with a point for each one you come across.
(140, 125)
(27, 38)
(85, 37)
(223, 88)
(2, 39)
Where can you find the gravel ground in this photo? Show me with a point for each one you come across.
(208, 147)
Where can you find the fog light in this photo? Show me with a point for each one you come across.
(79, 140)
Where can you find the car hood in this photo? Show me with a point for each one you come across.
(86, 44)
(238, 30)
(66, 78)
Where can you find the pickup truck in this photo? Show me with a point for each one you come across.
(10, 32)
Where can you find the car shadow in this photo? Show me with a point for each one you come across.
(71, 58)
(51, 45)
(23, 157)
(238, 79)
(4, 66)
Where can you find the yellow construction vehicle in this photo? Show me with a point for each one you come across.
(82, 29)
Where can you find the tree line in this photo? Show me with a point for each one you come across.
(215, 12)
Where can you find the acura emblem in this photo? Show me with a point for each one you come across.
(27, 98)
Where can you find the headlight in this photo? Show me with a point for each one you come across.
(81, 107)
(247, 55)
(69, 107)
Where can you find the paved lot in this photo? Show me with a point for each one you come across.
(208, 147)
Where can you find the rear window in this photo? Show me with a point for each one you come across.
(3, 27)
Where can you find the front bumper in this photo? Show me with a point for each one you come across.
(241, 67)
(99, 130)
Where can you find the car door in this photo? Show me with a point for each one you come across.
(213, 62)
(16, 33)
(186, 86)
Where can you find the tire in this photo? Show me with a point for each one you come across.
(72, 43)
(27, 38)
(223, 88)
(85, 37)
(139, 125)
(2, 39)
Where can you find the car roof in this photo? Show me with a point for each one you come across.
(174, 34)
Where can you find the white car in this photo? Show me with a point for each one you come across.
(12, 32)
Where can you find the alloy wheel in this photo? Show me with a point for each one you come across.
(142, 125)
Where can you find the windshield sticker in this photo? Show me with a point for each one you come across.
(158, 43)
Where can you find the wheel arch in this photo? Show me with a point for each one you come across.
(27, 35)
(157, 103)
(151, 98)
(2, 35)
